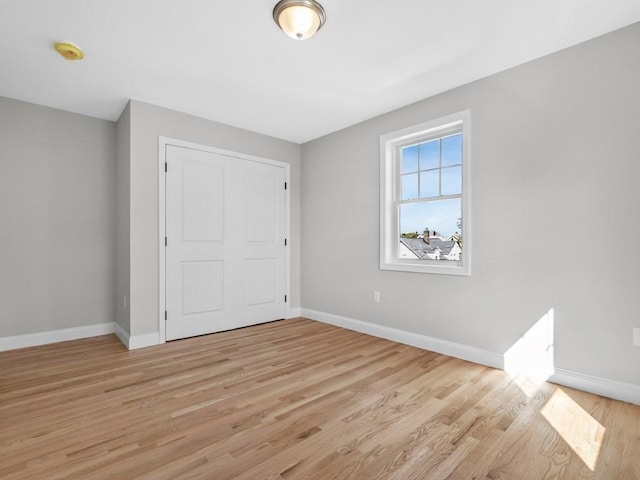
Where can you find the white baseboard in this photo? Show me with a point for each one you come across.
(122, 335)
(625, 392)
(137, 341)
(54, 336)
(294, 312)
(452, 349)
(142, 341)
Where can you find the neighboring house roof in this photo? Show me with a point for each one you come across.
(417, 254)
(421, 249)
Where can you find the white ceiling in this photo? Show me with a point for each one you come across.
(226, 60)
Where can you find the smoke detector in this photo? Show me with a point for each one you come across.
(69, 51)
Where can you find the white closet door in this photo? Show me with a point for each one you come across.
(225, 253)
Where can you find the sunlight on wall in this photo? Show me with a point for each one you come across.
(580, 430)
(530, 360)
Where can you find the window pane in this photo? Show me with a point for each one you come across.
(429, 184)
(410, 159)
(452, 150)
(451, 181)
(409, 186)
(442, 218)
(430, 155)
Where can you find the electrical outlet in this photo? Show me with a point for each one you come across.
(636, 336)
(376, 296)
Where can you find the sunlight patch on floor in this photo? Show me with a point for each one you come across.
(581, 431)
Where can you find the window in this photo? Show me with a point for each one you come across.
(424, 192)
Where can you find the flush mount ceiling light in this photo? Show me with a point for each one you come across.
(300, 19)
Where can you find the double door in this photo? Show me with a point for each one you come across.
(225, 242)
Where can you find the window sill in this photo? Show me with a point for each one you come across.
(450, 268)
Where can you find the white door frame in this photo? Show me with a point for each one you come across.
(163, 142)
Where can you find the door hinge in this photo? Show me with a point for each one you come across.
(285, 299)
(165, 315)
(165, 167)
(285, 242)
(166, 242)
(285, 185)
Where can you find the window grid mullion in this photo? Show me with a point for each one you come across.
(440, 167)
(419, 183)
(429, 199)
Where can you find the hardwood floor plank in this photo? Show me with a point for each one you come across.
(293, 400)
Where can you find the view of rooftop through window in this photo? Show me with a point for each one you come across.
(430, 209)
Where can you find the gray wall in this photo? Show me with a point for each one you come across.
(148, 122)
(555, 176)
(57, 206)
(123, 232)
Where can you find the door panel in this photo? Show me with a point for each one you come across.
(202, 287)
(260, 283)
(262, 205)
(225, 253)
(203, 207)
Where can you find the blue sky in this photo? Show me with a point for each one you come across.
(440, 215)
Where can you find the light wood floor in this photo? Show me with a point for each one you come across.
(296, 399)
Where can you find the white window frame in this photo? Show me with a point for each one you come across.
(391, 145)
